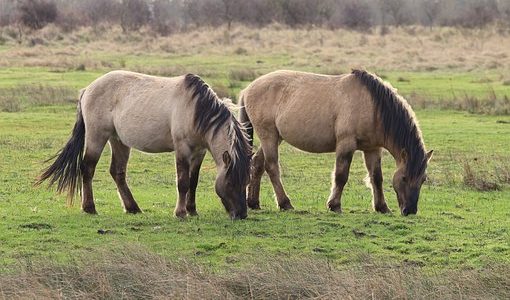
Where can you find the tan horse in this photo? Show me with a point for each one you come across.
(154, 114)
(342, 114)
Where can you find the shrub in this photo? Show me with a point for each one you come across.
(102, 11)
(355, 15)
(36, 14)
(68, 20)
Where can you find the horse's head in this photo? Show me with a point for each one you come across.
(408, 187)
(232, 189)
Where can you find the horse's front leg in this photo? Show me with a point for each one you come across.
(256, 172)
(373, 164)
(340, 177)
(182, 166)
(194, 172)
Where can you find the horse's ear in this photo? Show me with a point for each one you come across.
(429, 155)
(226, 158)
(403, 155)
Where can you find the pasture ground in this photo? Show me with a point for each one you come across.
(461, 230)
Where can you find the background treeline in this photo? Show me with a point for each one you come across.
(167, 16)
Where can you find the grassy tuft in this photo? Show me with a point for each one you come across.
(17, 98)
(9, 104)
(245, 74)
(480, 181)
(469, 103)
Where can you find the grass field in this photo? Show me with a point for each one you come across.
(464, 212)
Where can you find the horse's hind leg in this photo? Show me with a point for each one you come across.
(270, 148)
(256, 172)
(194, 171)
(94, 147)
(118, 168)
(373, 164)
(340, 175)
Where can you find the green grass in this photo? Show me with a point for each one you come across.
(456, 226)
(443, 85)
(12, 77)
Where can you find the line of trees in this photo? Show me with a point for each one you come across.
(167, 16)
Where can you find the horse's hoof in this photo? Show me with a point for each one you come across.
(336, 208)
(286, 206)
(255, 206)
(383, 209)
(91, 210)
(192, 213)
(133, 211)
(181, 214)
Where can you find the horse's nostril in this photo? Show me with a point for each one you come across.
(405, 212)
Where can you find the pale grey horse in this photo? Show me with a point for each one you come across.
(154, 114)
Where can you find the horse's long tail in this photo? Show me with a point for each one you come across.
(245, 120)
(66, 169)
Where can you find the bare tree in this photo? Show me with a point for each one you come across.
(396, 10)
(480, 13)
(204, 12)
(165, 18)
(356, 15)
(99, 11)
(301, 12)
(7, 9)
(431, 9)
(134, 14)
(229, 6)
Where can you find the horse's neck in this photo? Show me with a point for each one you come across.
(217, 144)
(394, 150)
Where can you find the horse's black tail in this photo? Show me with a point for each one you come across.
(66, 170)
(245, 120)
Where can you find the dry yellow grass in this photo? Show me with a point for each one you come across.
(134, 273)
(409, 48)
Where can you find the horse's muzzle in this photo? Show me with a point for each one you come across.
(409, 211)
(238, 216)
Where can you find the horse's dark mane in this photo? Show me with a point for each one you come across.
(399, 124)
(211, 114)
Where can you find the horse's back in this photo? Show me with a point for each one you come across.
(309, 111)
(139, 109)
